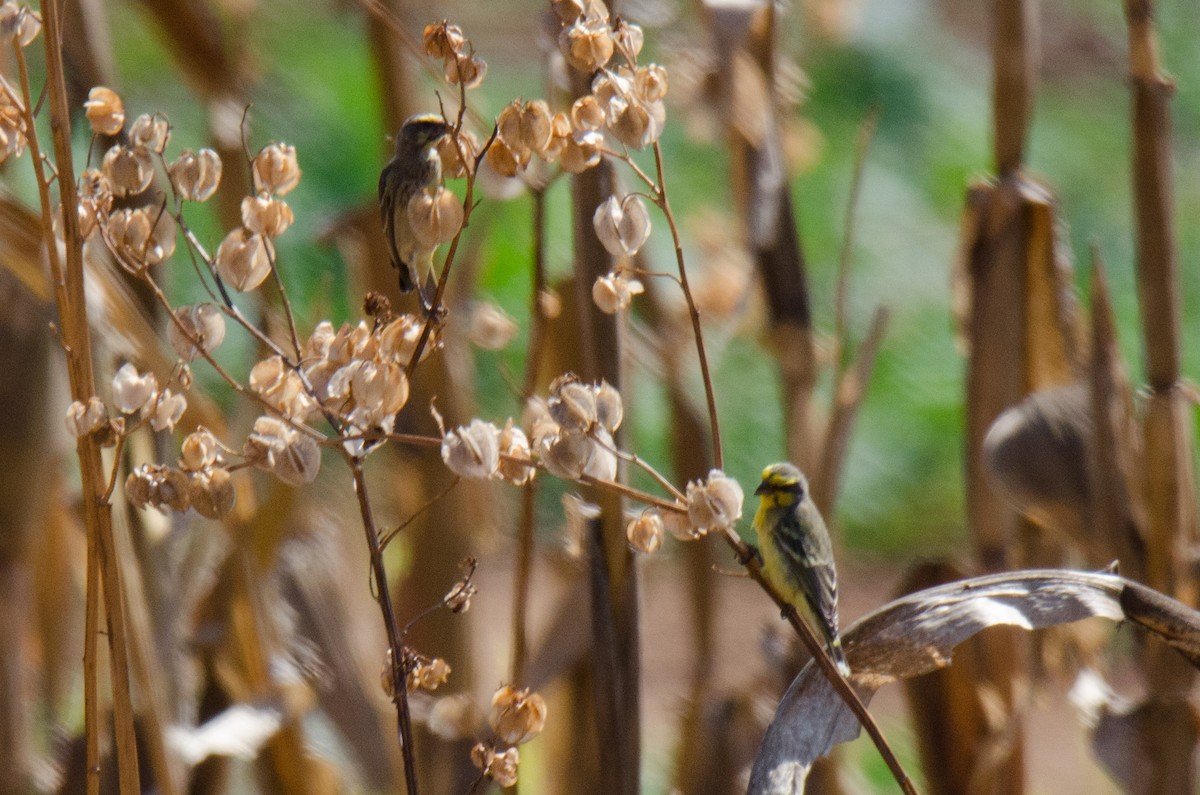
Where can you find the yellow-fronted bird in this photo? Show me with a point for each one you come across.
(415, 167)
(797, 555)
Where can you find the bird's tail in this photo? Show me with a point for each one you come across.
(839, 656)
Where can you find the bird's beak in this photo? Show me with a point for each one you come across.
(763, 488)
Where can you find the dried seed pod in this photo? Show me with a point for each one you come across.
(680, 526)
(609, 410)
(491, 328)
(650, 83)
(150, 133)
(140, 236)
(517, 716)
(266, 216)
(468, 71)
(500, 766)
(716, 503)
(166, 410)
(623, 226)
(582, 151)
(587, 43)
(435, 216)
(299, 461)
(428, 675)
(458, 159)
(645, 533)
(444, 41)
(572, 403)
(244, 259)
(629, 39)
(526, 125)
(275, 169)
(513, 442)
(454, 717)
(105, 112)
(132, 390)
(85, 418)
(614, 293)
(129, 170)
(472, 451)
(212, 493)
(586, 114)
(200, 325)
(19, 21)
(196, 174)
(199, 450)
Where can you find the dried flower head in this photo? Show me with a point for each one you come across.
(564, 453)
(159, 487)
(85, 418)
(614, 293)
(211, 493)
(198, 327)
(150, 133)
(276, 169)
(500, 766)
(517, 716)
(472, 451)
(435, 216)
(634, 116)
(623, 225)
(504, 160)
(716, 503)
(266, 216)
(129, 170)
(645, 532)
(132, 390)
(95, 200)
(244, 259)
(196, 174)
(105, 112)
(491, 327)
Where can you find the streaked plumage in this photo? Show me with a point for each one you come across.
(796, 552)
(415, 167)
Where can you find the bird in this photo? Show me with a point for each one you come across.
(415, 167)
(797, 555)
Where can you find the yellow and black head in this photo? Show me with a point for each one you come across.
(782, 484)
(419, 132)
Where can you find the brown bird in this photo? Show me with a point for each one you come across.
(415, 167)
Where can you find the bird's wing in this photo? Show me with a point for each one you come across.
(387, 212)
(810, 555)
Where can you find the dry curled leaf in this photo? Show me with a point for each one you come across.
(917, 634)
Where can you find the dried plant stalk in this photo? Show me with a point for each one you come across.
(1169, 479)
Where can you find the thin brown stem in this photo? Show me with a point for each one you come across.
(395, 641)
(388, 536)
(67, 278)
(287, 305)
(709, 395)
(533, 359)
